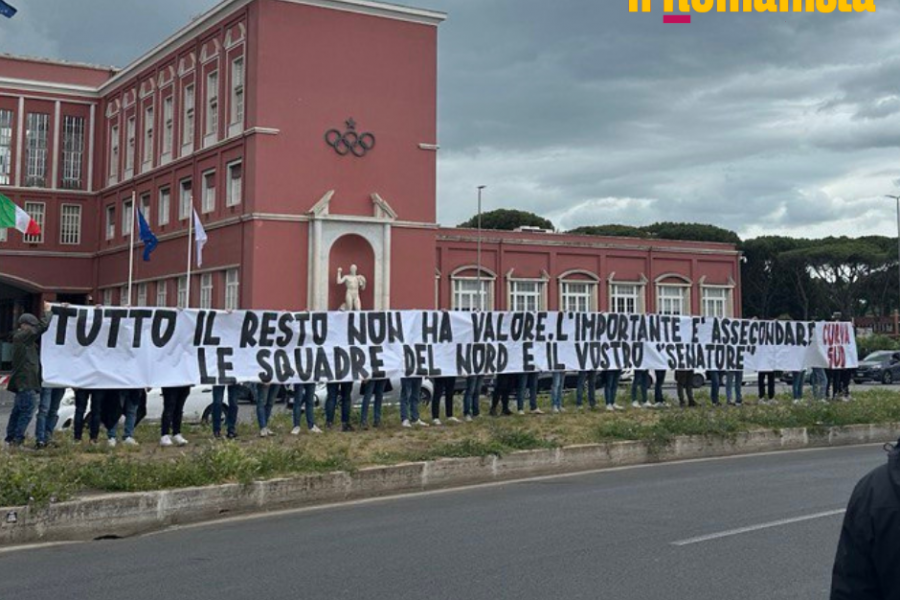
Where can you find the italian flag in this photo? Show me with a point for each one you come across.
(13, 216)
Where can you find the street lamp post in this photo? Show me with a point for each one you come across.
(897, 198)
(480, 289)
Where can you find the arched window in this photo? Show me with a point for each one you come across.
(471, 292)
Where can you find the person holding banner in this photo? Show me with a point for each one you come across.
(472, 396)
(410, 390)
(25, 378)
(503, 385)
(132, 400)
(173, 411)
(48, 415)
(761, 379)
(345, 390)
(819, 383)
(715, 384)
(372, 387)
(734, 382)
(589, 378)
(639, 385)
(82, 397)
(684, 385)
(611, 388)
(556, 391)
(659, 378)
(446, 387)
(231, 415)
(527, 382)
(305, 400)
(797, 378)
(265, 395)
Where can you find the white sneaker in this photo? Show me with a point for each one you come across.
(537, 411)
(406, 423)
(635, 404)
(617, 407)
(453, 420)
(468, 418)
(796, 402)
(562, 409)
(315, 429)
(130, 441)
(165, 441)
(610, 408)
(421, 423)
(111, 442)
(554, 410)
(265, 432)
(179, 440)
(661, 405)
(647, 405)
(521, 412)
(295, 431)
(436, 422)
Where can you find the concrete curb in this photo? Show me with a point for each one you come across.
(119, 515)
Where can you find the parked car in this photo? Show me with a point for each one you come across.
(197, 408)
(391, 393)
(882, 366)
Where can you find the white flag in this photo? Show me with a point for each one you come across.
(199, 238)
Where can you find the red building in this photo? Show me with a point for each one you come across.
(302, 154)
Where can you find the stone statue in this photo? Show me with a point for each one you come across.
(354, 283)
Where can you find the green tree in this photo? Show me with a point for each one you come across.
(694, 232)
(611, 230)
(771, 286)
(507, 220)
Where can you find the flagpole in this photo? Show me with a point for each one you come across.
(187, 300)
(131, 247)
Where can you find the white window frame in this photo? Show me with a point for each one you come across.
(206, 290)
(626, 297)
(668, 293)
(114, 153)
(188, 118)
(162, 290)
(465, 293)
(518, 295)
(70, 224)
(130, 145)
(232, 289)
(110, 221)
(185, 200)
(38, 212)
(234, 191)
(73, 152)
(6, 146)
(208, 201)
(238, 97)
(127, 216)
(164, 206)
(37, 131)
(168, 140)
(181, 298)
(141, 294)
(726, 302)
(211, 109)
(573, 300)
(148, 151)
(124, 300)
(145, 207)
(107, 297)
(3, 236)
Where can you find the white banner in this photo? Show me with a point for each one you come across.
(90, 347)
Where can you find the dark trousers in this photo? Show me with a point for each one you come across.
(660, 379)
(527, 383)
(716, 379)
(761, 383)
(345, 390)
(173, 408)
(81, 404)
(372, 388)
(446, 387)
(503, 385)
(684, 385)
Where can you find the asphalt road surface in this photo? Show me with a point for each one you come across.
(757, 527)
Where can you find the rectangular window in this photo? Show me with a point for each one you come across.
(70, 225)
(161, 292)
(231, 289)
(110, 221)
(73, 152)
(145, 207)
(113, 153)
(715, 302)
(168, 125)
(130, 132)
(526, 295)
(107, 297)
(124, 300)
(164, 209)
(671, 300)
(623, 298)
(187, 120)
(206, 290)
(6, 144)
(142, 294)
(127, 217)
(36, 210)
(466, 294)
(182, 292)
(577, 296)
(212, 106)
(237, 94)
(147, 152)
(209, 191)
(36, 132)
(233, 184)
(2, 234)
(185, 200)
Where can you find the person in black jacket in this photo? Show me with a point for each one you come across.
(868, 554)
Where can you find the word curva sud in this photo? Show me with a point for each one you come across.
(702, 6)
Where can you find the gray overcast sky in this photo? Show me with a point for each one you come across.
(586, 114)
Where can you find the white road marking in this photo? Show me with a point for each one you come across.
(751, 528)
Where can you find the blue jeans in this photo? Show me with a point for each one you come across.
(658, 396)
(265, 395)
(556, 389)
(591, 377)
(639, 386)
(48, 414)
(372, 387)
(345, 390)
(734, 382)
(529, 382)
(20, 416)
(132, 401)
(410, 390)
(304, 401)
(819, 383)
(797, 384)
(218, 394)
(715, 383)
(471, 407)
(611, 386)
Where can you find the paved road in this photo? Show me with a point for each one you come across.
(608, 534)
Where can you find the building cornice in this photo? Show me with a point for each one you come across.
(421, 16)
(45, 87)
(586, 245)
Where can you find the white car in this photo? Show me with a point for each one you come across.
(391, 392)
(197, 408)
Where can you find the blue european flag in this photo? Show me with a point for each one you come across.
(7, 10)
(147, 236)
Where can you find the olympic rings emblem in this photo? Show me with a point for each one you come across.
(349, 141)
